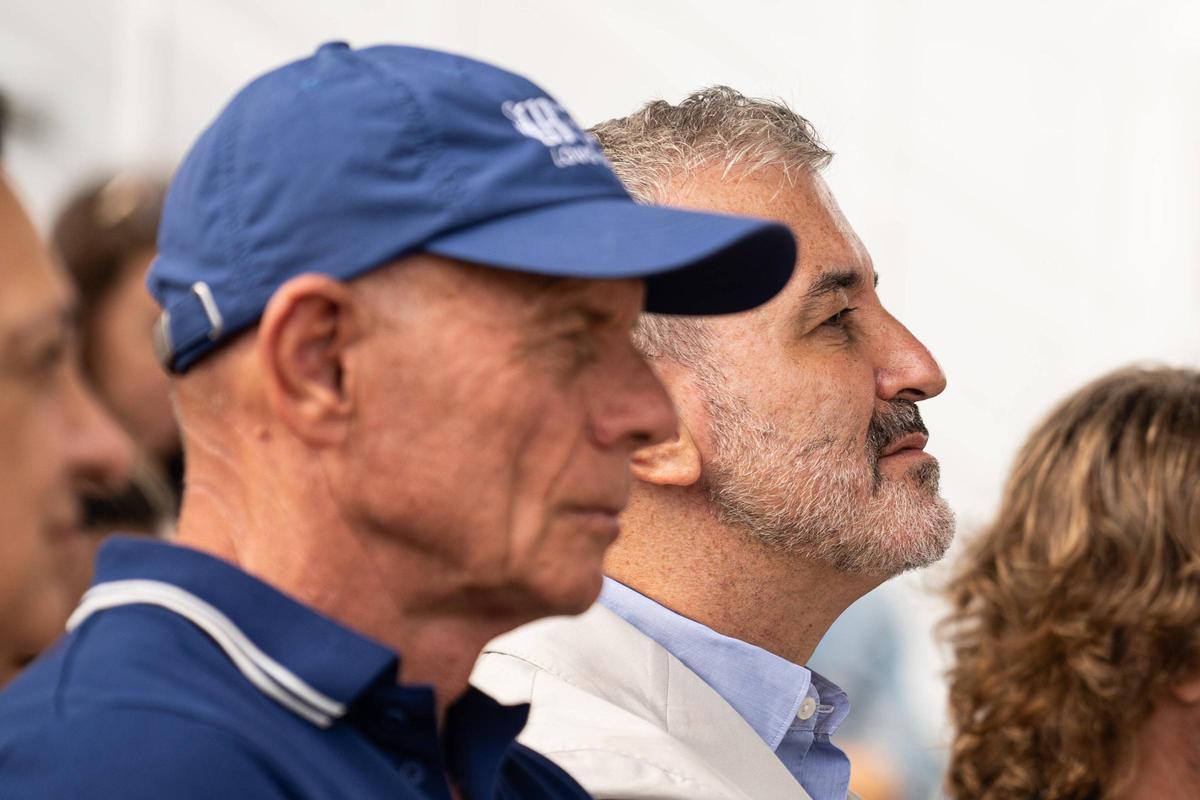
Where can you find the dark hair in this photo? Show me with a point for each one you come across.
(3, 120)
(101, 228)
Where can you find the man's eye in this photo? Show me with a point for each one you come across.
(46, 362)
(839, 319)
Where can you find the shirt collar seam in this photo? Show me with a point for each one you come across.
(267, 675)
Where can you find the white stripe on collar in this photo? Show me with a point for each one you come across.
(268, 675)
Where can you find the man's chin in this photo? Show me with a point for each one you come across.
(574, 598)
(914, 468)
(926, 539)
(569, 592)
(908, 526)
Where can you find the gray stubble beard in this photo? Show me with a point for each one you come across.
(825, 500)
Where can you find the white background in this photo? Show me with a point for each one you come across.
(1026, 174)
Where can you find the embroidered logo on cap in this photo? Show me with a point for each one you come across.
(544, 120)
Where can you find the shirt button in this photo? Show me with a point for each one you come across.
(808, 707)
(413, 771)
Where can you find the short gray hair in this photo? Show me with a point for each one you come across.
(684, 340)
(709, 127)
(713, 126)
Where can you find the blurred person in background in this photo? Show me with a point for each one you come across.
(1076, 622)
(105, 235)
(796, 483)
(56, 443)
(3, 120)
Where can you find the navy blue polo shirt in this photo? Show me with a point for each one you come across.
(183, 677)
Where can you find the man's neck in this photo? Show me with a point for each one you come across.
(683, 557)
(393, 598)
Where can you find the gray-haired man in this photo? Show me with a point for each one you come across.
(797, 483)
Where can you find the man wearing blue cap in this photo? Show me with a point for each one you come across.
(398, 288)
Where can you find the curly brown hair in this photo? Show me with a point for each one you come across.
(1079, 604)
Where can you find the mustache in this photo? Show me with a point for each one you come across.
(900, 418)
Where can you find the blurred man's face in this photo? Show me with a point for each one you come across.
(54, 443)
(516, 402)
(811, 435)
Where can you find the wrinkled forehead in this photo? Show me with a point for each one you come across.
(32, 284)
(615, 299)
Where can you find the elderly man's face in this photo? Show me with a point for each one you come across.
(54, 443)
(515, 402)
(810, 434)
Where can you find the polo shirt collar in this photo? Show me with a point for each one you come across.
(301, 659)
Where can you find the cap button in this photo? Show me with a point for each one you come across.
(333, 46)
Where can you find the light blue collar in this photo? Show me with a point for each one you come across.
(766, 690)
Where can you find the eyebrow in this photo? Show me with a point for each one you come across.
(560, 297)
(59, 321)
(591, 313)
(830, 281)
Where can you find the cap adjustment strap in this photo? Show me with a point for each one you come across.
(187, 323)
(215, 322)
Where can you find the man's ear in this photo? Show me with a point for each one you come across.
(675, 462)
(302, 339)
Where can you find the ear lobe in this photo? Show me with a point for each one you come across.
(302, 339)
(675, 462)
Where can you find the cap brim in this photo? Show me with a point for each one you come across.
(693, 262)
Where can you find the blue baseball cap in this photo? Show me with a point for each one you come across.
(350, 159)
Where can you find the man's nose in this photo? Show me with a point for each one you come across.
(906, 369)
(633, 410)
(100, 455)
